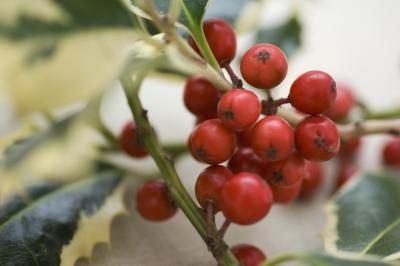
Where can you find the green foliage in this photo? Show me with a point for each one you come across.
(287, 35)
(35, 229)
(365, 217)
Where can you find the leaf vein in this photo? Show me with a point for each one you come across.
(381, 235)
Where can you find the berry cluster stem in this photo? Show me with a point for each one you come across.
(236, 81)
(167, 169)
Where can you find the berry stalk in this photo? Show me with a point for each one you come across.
(179, 194)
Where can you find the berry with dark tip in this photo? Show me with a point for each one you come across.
(273, 138)
(264, 66)
(239, 109)
(317, 138)
(211, 142)
(314, 92)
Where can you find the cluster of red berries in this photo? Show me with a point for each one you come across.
(267, 159)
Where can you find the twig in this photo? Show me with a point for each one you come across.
(224, 228)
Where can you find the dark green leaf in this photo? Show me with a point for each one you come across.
(365, 217)
(287, 35)
(34, 232)
(83, 15)
(325, 259)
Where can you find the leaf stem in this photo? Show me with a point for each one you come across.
(179, 194)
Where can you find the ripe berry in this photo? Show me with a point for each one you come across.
(313, 92)
(211, 142)
(312, 179)
(244, 137)
(285, 194)
(264, 66)
(346, 172)
(348, 148)
(246, 160)
(317, 138)
(273, 138)
(391, 152)
(221, 38)
(200, 97)
(341, 107)
(129, 142)
(286, 173)
(248, 255)
(239, 109)
(153, 201)
(245, 198)
(210, 183)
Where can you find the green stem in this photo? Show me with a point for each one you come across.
(385, 114)
(202, 44)
(175, 149)
(165, 164)
(280, 259)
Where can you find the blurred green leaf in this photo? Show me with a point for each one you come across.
(55, 52)
(287, 36)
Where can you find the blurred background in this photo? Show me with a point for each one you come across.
(357, 42)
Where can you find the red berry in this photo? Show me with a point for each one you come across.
(239, 109)
(221, 38)
(153, 201)
(391, 152)
(285, 194)
(244, 137)
(341, 107)
(129, 142)
(317, 138)
(346, 172)
(200, 97)
(313, 92)
(211, 142)
(348, 148)
(312, 179)
(248, 255)
(273, 138)
(264, 66)
(246, 160)
(286, 173)
(210, 183)
(245, 198)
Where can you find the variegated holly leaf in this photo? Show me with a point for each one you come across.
(364, 217)
(55, 52)
(56, 224)
(63, 152)
(339, 259)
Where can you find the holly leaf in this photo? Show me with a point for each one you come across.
(70, 143)
(364, 217)
(57, 224)
(286, 35)
(56, 52)
(342, 259)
